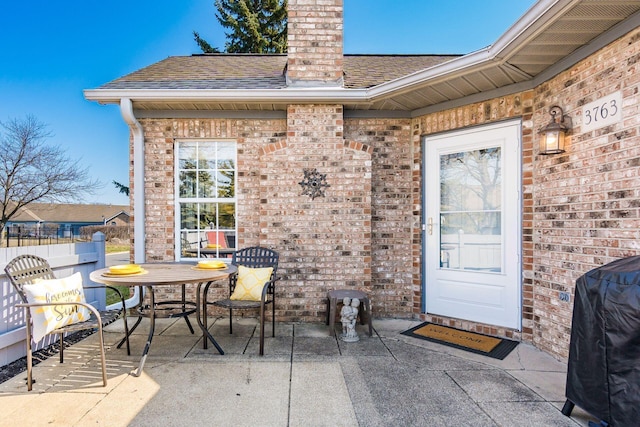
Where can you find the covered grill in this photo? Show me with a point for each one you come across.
(603, 375)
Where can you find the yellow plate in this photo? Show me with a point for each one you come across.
(195, 267)
(212, 265)
(213, 246)
(125, 269)
(137, 273)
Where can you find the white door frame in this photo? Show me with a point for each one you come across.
(513, 258)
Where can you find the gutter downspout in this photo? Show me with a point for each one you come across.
(126, 109)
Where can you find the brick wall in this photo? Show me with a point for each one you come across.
(585, 200)
(314, 34)
(359, 235)
(325, 243)
(394, 293)
(580, 208)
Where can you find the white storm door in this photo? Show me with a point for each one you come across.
(473, 224)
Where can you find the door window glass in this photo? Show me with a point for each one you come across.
(470, 210)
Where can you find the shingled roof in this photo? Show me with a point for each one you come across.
(550, 37)
(64, 212)
(258, 71)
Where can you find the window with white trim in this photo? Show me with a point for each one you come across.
(205, 198)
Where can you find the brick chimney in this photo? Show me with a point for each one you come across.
(315, 42)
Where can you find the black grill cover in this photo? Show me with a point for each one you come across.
(603, 375)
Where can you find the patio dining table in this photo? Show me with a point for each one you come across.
(154, 275)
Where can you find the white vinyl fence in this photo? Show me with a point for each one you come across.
(65, 259)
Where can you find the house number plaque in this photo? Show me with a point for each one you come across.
(602, 112)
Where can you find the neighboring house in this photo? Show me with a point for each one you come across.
(64, 220)
(416, 178)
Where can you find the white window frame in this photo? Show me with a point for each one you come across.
(200, 200)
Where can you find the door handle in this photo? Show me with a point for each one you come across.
(430, 226)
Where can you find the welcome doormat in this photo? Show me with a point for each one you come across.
(497, 348)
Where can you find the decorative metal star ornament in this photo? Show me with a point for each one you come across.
(313, 183)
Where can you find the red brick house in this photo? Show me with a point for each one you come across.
(416, 178)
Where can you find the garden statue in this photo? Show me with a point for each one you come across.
(349, 317)
(345, 313)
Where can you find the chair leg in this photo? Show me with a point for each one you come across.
(273, 316)
(205, 318)
(61, 339)
(102, 356)
(29, 355)
(262, 328)
(230, 321)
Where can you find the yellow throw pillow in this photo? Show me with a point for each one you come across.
(51, 317)
(250, 283)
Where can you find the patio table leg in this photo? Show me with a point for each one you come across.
(152, 326)
(139, 304)
(184, 307)
(135, 325)
(203, 311)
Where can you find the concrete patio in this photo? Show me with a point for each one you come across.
(306, 378)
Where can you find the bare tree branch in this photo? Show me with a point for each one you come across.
(31, 170)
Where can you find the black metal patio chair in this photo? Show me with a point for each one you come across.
(253, 257)
(26, 270)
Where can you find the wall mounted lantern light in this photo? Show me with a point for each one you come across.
(552, 135)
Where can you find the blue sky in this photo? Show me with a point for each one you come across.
(51, 51)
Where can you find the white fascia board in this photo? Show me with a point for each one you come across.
(289, 96)
(475, 60)
(538, 17)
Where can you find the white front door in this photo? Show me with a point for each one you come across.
(473, 224)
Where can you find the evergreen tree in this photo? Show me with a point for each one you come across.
(122, 188)
(255, 26)
(204, 45)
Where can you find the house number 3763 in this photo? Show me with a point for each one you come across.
(602, 112)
